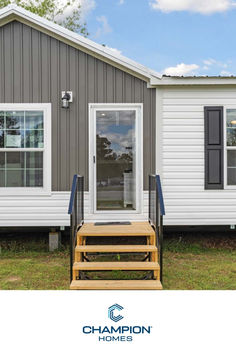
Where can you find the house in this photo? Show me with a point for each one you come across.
(69, 105)
(143, 122)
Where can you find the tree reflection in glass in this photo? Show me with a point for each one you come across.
(116, 165)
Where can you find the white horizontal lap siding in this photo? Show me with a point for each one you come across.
(52, 210)
(29, 210)
(186, 200)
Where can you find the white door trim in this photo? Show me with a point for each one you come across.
(138, 107)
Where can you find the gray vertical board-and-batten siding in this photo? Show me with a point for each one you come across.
(35, 68)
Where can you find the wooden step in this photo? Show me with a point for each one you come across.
(115, 285)
(116, 248)
(116, 266)
(134, 229)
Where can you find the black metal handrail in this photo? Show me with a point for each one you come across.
(76, 212)
(156, 213)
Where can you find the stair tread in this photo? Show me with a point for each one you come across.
(134, 229)
(116, 266)
(116, 285)
(116, 248)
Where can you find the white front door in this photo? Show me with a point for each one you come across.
(116, 158)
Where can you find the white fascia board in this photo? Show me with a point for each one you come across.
(184, 81)
(15, 12)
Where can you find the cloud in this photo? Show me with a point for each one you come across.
(209, 63)
(201, 6)
(120, 142)
(115, 50)
(225, 73)
(85, 7)
(121, 2)
(209, 66)
(181, 69)
(104, 28)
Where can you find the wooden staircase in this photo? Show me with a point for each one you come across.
(83, 249)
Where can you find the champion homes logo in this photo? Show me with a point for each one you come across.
(111, 310)
(122, 333)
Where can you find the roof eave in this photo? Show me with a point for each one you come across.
(193, 81)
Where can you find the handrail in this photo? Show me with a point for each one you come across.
(72, 194)
(156, 213)
(76, 212)
(160, 196)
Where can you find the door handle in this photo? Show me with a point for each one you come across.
(94, 159)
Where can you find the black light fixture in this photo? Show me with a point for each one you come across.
(66, 98)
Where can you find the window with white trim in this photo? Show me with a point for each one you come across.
(231, 146)
(23, 153)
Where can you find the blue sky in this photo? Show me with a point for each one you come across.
(169, 36)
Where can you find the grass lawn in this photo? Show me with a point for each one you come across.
(190, 262)
(27, 264)
(199, 264)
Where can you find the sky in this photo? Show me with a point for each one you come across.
(173, 37)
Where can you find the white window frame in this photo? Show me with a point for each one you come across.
(226, 148)
(46, 189)
(138, 108)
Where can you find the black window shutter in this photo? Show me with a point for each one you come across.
(214, 147)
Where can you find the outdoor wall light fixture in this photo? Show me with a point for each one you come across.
(66, 98)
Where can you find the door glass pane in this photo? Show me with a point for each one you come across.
(116, 160)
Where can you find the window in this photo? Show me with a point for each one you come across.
(24, 149)
(231, 146)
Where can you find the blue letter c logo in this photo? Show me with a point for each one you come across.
(111, 310)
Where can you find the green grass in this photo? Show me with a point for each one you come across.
(26, 264)
(207, 263)
(192, 265)
(34, 271)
